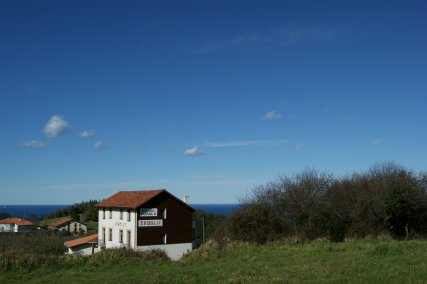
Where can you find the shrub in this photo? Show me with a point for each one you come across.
(387, 199)
(36, 242)
(257, 223)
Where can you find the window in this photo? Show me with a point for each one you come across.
(103, 235)
(110, 234)
(103, 213)
(128, 214)
(111, 213)
(121, 214)
(128, 239)
(162, 213)
(163, 238)
(121, 236)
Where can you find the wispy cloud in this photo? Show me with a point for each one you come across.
(195, 151)
(246, 143)
(280, 37)
(375, 141)
(299, 146)
(33, 144)
(139, 149)
(271, 115)
(55, 126)
(98, 145)
(87, 134)
(185, 182)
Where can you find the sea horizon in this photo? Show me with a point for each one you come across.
(40, 210)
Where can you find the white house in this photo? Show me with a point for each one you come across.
(69, 225)
(145, 220)
(15, 225)
(84, 246)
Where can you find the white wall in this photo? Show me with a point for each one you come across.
(85, 249)
(14, 228)
(116, 225)
(174, 251)
(73, 226)
(6, 227)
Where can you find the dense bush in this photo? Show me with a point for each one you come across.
(26, 262)
(254, 222)
(36, 242)
(206, 225)
(386, 199)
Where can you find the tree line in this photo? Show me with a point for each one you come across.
(83, 211)
(386, 199)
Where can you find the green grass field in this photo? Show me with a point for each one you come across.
(358, 261)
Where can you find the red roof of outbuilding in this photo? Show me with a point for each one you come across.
(81, 241)
(17, 221)
(135, 199)
(61, 222)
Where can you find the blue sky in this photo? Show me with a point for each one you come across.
(204, 98)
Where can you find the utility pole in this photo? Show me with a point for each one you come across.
(203, 229)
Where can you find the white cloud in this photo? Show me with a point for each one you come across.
(271, 115)
(375, 141)
(230, 144)
(35, 144)
(247, 143)
(195, 151)
(280, 37)
(87, 134)
(98, 145)
(55, 126)
(299, 146)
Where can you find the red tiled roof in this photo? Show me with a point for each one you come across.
(81, 241)
(61, 222)
(129, 199)
(17, 221)
(134, 199)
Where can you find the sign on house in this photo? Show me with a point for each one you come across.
(148, 212)
(150, 223)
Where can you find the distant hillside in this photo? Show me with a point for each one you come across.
(84, 211)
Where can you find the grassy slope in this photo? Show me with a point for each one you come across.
(48, 222)
(324, 262)
(92, 227)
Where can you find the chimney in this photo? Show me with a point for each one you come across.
(186, 199)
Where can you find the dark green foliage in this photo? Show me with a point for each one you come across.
(386, 199)
(27, 261)
(109, 255)
(83, 211)
(206, 223)
(90, 214)
(4, 215)
(302, 199)
(258, 223)
(36, 242)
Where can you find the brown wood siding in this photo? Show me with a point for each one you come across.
(177, 226)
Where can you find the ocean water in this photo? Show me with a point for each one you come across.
(26, 211)
(220, 209)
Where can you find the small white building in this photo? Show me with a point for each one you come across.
(146, 220)
(69, 225)
(15, 225)
(84, 246)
